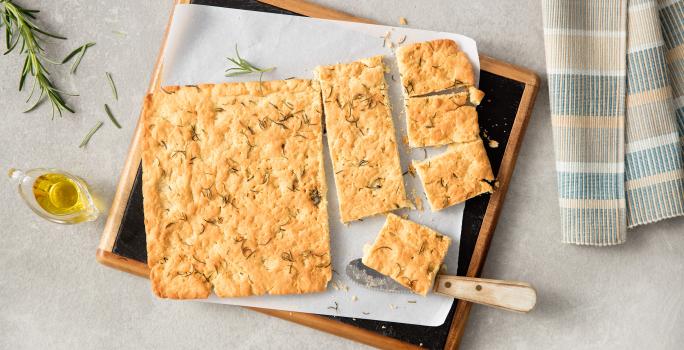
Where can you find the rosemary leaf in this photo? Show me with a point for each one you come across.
(111, 85)
(35, 105)
(75, 52)
(90, 134)
(111, 116)
(81, 53)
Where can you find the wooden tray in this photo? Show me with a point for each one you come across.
(510, 94)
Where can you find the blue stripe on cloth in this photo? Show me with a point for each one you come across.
(594, 226)
(591, 185)
(671, 21)
(576, 94)
(676, 70)
(653, 72)
(653, 161)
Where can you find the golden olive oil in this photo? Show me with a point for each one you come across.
(55, 195)
(58, 194)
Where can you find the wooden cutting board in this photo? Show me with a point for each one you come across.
(510, 94)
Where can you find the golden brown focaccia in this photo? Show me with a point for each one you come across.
(440, 120)
(432, 66)
(408, 252)
(455, 175)
(234, 190)
(362, 139)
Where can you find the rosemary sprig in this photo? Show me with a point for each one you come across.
(112, 85)
(243, 67)
(111, 116)
(80, 51)
(90, 134)
(19, 27)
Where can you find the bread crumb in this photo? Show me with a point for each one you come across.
(404, 216)
(418, 200)
(383, 326)
(493, 144)
(412, 170)
(404, 139)
(403, 21)
(392, 306)
(355, 298)
(338, 285)
(443, 269)
(386, 39)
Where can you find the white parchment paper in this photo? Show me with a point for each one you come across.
(200, 39)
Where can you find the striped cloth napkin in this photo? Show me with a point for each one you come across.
(616, 84)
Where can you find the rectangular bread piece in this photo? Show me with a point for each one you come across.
(234, 190)
(455, 175)
(440, 120)
(432, 66)
(408, 252)
(362, 140)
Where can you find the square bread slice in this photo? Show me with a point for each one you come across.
(440, 120)
(234, 190)
(408, 252)
(432, 66)
(361, 138)
(455, 175)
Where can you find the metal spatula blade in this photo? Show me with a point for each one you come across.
(369, 278)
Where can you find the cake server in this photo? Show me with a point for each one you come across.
(507, 295)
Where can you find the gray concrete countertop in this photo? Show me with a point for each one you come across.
(53, 294)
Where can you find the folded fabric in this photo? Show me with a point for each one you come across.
(616, 85)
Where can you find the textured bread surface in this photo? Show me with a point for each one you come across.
(440, 120)
(234, 190)
(432, 66)
(362, 140)
(456, 175)
(408, 252)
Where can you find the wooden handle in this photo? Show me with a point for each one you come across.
(507, 295)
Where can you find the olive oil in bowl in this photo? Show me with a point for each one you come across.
(56, 195)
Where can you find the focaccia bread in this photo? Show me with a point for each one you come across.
(362, 140)
(432, 66)
(440, 120)
(234, 190)
(460, 173)
(408, 252)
